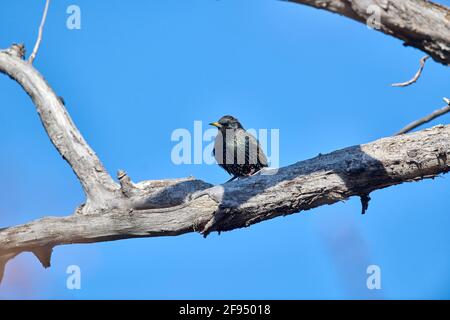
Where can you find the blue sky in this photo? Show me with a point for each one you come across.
(137, 70)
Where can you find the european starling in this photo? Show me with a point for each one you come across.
(236, 150)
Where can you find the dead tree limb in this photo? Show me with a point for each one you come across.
(173, 207)
(418, 23)
(97, 183)
(415, 77)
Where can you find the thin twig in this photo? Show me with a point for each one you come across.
(416, 76)
(41, 28)
(426, 119)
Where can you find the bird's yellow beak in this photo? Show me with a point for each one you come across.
(215, 124)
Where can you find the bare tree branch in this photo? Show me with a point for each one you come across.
(416, 76)
(41, 29)
(426, 119)
(97, 183)
(174, 207)
(419, 23)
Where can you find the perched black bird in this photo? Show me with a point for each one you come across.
(236, 150)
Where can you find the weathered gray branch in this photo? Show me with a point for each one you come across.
(97, 183)
(416, 75)
(173, 207)
(419, 23)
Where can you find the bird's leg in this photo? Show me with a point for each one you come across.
(234, 178)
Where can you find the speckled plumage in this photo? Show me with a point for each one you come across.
(236, 150)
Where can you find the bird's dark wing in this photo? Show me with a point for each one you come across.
(220, 161)
(252, 145)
